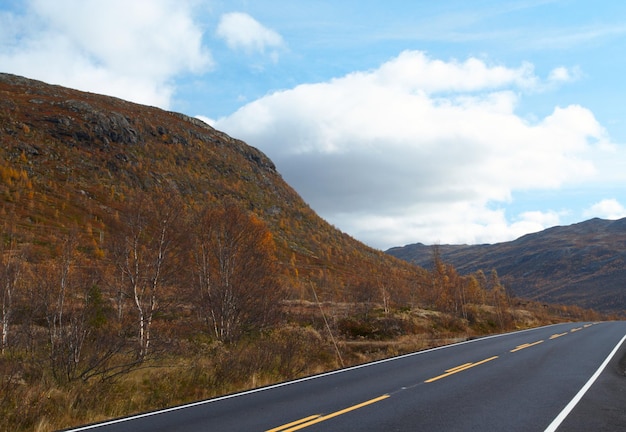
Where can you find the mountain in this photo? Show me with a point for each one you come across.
(68, 158)
(582, 264)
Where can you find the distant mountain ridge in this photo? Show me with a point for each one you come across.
(582, 264)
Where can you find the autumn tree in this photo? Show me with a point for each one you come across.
(440, 294)
(473, 291)
(56, 293)
(10, 268)
(235, 272)
(146, 248)
(499, 298)
(483, 284)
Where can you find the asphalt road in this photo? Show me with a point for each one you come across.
(566, 377)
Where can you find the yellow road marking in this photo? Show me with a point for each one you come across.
(526, 345)
(587, 325)
(575, 329)
(309, 421)
(459, 369)
(554, 336)
(294, 423)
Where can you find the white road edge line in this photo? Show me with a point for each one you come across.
(286, 383)
(570, 406)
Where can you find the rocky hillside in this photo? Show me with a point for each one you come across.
(582, 264)
(67, 157)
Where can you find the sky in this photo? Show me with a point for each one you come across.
(404, 121)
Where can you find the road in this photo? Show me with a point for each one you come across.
(521, 381)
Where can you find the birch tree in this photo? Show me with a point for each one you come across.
(235, 272)
(52, 278)
(146, 251)
(9, 276)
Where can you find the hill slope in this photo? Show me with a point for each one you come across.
(582, 264)
(67, 157)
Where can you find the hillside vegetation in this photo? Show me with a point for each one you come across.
(147, 260)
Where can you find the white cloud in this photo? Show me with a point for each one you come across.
(128, 49)
(606, 209)
(241, 31)
(562, 74)
(529, 222)
(415, 71)
(421, 149)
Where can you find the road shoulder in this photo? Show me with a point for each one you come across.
(602, 407)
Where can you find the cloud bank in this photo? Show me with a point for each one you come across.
(132, 49)
(422, 149)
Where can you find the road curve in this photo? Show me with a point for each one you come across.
(559, 377)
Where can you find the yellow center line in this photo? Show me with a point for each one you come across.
(309, 421)
(526, 345)
(294, 423)
(519, 347)
(575, 329)
(459, 369)
(587, 325)
(554, 336)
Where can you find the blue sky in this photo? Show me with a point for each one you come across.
(397, 121)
